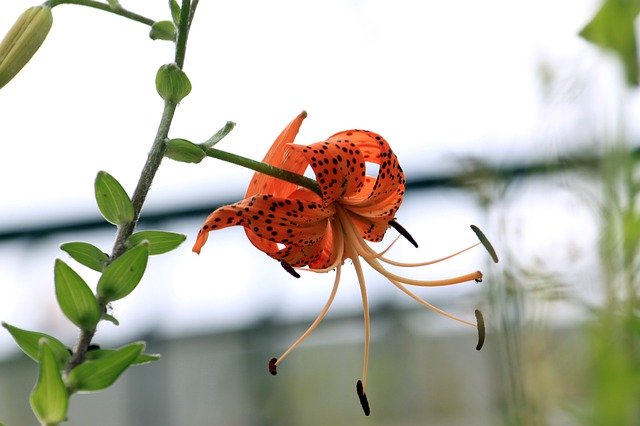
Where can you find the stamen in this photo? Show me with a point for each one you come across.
(365, 308)
(429, 262)
(423, 283)
(275, 361)
(429, 305)
(273, 368)
(379, 255)
(480, 321)
(364, 402)
(485, 242)
(289, 269)
(395, 225)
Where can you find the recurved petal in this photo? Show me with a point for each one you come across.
(390, 182)
(271, 220)
(280, 156)
(339, 167)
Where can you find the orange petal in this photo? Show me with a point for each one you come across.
(271, 220)
(390, 182)
(338, 165)
(279, 156)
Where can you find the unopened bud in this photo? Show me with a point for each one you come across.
(23, 40)
(172, 83)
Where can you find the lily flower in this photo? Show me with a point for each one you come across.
(308, 231)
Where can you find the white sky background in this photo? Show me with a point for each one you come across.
(442, 81)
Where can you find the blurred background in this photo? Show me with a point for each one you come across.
(501, 116)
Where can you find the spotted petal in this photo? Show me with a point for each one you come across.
(298, 225)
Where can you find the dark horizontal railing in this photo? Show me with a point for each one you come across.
(477, 172)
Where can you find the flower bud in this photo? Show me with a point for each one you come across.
(23, 40)
(172, 83)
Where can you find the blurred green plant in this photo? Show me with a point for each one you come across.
(612, 28)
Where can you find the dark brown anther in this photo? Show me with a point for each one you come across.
(480, 322)
(289, 269)
(273, 368)
(395, 225)
(363, 398)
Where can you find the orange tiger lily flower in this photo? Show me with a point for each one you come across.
(306, 231)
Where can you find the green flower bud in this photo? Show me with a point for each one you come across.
(184, 151)
(172, 83)
(23, 40)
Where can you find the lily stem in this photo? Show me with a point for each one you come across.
(265, 168)
(106, 7)
(144, 183)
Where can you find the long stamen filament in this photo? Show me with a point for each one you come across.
(429, 262)
(312, 327)
(365, 308)
(355, 240)
(472, 276)
(429, 305)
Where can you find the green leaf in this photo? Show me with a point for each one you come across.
(220, 134)
(75, 297)
(485, 242)
(172, 83)
(184, 151)
(123, 274)
(159, 241)
(113, 201)
(613, 28)
(49, 399)
(29, 343)
(175, 11)
(92, 376)
(141, 359)
(163, 30)
(86, 254)
(113, 320)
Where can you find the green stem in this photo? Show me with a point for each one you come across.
(142, 188)
(103, 6)
(265, 168)
(183, 32)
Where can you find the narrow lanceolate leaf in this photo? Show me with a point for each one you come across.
(220, 134)
(49, 398)
(75, 297)
(175, 11)
(86, 254)
(96, 375)
(485, 242)
(141, 359)
(113, 201)
(159, 241)
(29, 343)
(123, 274)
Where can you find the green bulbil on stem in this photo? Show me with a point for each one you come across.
(172, 83)
(184, 151)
